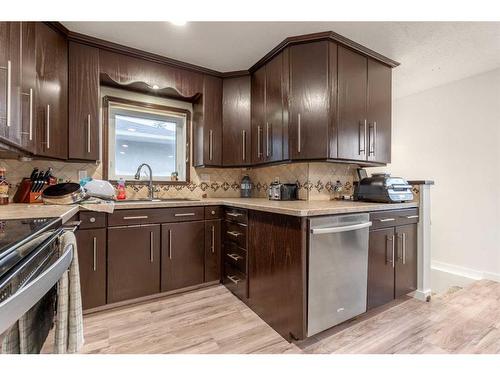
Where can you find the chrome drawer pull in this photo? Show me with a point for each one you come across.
(234, 279)
(94, 266)
(236, 257)
(412, 217)
(134, 217)
(212, 248)
(186, 214)
(234, 234)
(404, 248)
(233, 214)
(386, 220)
(151, 246)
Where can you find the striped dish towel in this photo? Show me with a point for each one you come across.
(69, 315)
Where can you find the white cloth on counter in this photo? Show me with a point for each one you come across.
(69, 314)
(98, 205)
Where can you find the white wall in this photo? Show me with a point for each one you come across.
(451, 134)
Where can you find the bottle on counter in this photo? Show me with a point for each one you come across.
(246, 187)
(121, 192)
(4, 188)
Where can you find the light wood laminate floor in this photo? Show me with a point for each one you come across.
(212, 320)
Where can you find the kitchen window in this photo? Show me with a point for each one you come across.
(146, 133)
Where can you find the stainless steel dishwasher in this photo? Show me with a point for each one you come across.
(337, 271)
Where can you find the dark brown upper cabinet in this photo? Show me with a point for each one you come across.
(364, 107)
(309, 99)
(207, 124)
(379, 106)
(52, 92)
(83, 102)
(236, 150)
(268, 105)
(28, 86)
(10, 83)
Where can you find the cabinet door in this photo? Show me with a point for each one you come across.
(92, 261)
(10, 82)
(207, 120)
(258, 114)
(212, 250)
(133, 262)
(83, 102)
(381, 267)
(273, 127)
(352, 122)
(309, 100)
(379, 112)
(406, 264)
(28, 86)
(276, 251)
(236, 121)
(51, 96)
(182, 254)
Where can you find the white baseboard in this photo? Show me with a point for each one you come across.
(445, 275)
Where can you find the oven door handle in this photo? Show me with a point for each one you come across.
(24, 299)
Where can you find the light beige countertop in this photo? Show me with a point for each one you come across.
(294, 208)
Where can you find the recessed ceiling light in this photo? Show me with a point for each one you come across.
(178, 22)
(122, 152)
(124, 146)
(131, 130)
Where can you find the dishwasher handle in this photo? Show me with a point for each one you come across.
(340, 229)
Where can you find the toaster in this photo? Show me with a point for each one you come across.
(283, 192)
(383, 188)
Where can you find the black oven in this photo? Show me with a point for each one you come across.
(31, 263)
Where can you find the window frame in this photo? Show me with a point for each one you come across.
(107, 101)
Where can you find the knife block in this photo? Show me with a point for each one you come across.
(25, 195)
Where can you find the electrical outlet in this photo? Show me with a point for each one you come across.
(82, 174)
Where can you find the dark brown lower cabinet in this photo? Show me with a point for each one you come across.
(133, 262)
(182, 254)
(91, 245)
(277, 271)
(406, 265)
(392, 264)
(212, 250)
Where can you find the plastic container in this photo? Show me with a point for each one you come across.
(121, 192)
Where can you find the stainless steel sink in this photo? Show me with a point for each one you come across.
(159, 200)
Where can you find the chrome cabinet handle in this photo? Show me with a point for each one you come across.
(88, 133)
(212, 248)
(404, 248)
(234, 279)
(169, 244)
(94, 266)
(386, 220)
(244, 144)
(259, 151)
(393, 251)
(9, 94)
(234, 234)
(412, 217)
(31, 114)
(374, 140)
(362, 150)
(185, 214)
(234, 214)
(267, 139)
(48, 126)
(151, 246)
(298, 133)
(210, 144)
(391, 239)
(134, 217)
(236, 257)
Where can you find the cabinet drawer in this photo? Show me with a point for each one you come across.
(235, 281)
(386, 219)
(155, 216)
(91, 219)
(236, 256)
(235, 232)
(213, 212)
(236, 214)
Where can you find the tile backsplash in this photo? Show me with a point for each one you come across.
(315, 180)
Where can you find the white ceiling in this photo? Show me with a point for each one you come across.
(430, 53)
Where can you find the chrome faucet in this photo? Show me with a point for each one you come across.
(138, 176)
